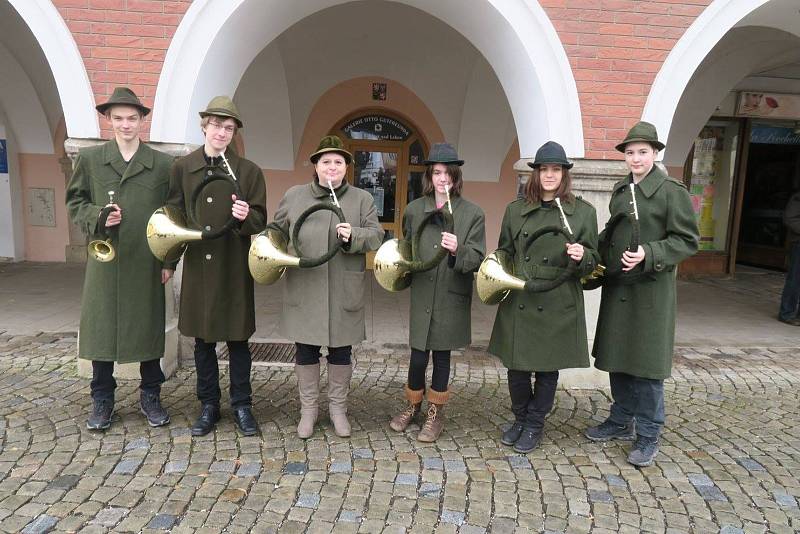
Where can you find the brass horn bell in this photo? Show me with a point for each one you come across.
(102, 251)
(494, 280)
(268, 257)
(166, 235)
(392, 265)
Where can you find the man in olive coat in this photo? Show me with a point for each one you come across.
(217, 301)
(636, 324)
(122, 309)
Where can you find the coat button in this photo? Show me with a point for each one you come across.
(527, 258)
(521, 306)
(623, 299)
(208, 228)
(209, 200)
(524, 234)
(540, 308)
(435, 246)
(208, 256)
(545, 260)
(427, 310)
(209, 172)
(430, 278)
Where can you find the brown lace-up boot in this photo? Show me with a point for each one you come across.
(401, 421)
(434, 423)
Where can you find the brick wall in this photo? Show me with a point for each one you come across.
(123, 42)
(616, 48)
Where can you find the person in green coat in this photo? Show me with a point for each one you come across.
(217, 302)
(441, 298)
(636, 324)
(539, 333)
(122, 309)
(324, 305)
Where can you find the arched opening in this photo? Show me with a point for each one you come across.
(724, 101)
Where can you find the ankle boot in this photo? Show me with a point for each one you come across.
(401, 421)
(434, 422)
(338, 387)
(308, 386)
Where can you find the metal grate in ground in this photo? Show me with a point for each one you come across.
(266, 352)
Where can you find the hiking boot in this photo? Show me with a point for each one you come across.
(608, 430)
(401, 421)
(102, 411)
(434, 422)
(513, 433)
(643, 452)
(150, 404)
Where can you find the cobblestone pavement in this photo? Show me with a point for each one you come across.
(730, 459)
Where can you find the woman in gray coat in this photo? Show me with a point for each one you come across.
(441, 297)
(324, 305)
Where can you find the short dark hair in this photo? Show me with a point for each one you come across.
(533, 189)
(453, 170)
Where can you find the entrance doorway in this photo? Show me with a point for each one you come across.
(388, 152)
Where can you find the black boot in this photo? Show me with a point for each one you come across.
(528, 440)
(102, 411)
(207, 420)
(245, 421)
(544, 395)
(150, 404)
(519, 388)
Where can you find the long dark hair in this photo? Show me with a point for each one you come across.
(533, 189)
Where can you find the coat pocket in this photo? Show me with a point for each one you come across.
(353, 291)
(460, 285)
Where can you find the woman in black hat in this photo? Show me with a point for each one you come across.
(548, 236)
(324, 305)
(636, 324)
(441, 297)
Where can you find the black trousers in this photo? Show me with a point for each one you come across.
(103, 383)
(532, 404)
(419, 364)
(207, 368)
(310, 354)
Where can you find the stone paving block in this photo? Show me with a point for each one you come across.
(40, 525)
(108, 517)
(127, 467)
(295, 468)
(250, 469)
(308, 500)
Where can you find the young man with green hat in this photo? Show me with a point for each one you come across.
(217, 302)
(324, 305)
(636, 324)
(114, 189)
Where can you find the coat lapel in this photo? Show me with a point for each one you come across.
(113, 158)
(143, 159)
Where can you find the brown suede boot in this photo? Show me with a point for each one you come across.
(401, 421)
(308, 386)
(338, 388)
(434, 423)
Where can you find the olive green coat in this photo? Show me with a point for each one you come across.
(122, 309)
(636, 324)
(544, 331)
(441, 299)
(217, 289)
(324, 305)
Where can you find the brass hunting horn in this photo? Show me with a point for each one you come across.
(101, 249)
(396, 259)
(269, 257)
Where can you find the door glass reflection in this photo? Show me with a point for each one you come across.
(376, 172)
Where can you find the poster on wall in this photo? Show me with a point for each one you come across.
(3, 157)
(705, 166)
(773, 105)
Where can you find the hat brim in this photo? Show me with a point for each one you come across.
(458, 162)
(103, 108)
(348, 157)
(658, 145)
(564, 164)
(222, 113)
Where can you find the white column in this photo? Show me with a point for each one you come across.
(12, 234)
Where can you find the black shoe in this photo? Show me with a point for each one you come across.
(528, 440)
(245, 420)
(794, 321)
(102, 411)
(511, 435)
(643, 452)
(150, 404)
(208, 418)
(608, 430)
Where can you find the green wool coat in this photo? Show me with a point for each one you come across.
(544, 331)
(324, 305)
(217, 290)
(636, 325)
(441, 299)
(122, 309)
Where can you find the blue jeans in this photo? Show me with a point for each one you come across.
(638, 398)
(790, 298)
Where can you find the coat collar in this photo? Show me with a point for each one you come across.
(430, 202)
(196, 161)
(569, 207)
(317, 191)
(649, 185)
(141, 160)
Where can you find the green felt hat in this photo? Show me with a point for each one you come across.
(223, 106)
(122, 96)
(642, 132)
(331, 143)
